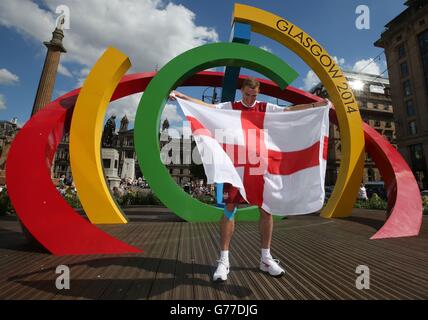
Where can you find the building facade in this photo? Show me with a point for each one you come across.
(179, 151)
(405, 41)
(374, 99)
(8, 131)
(61, 163)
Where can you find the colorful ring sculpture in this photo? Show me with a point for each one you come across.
(62, 231)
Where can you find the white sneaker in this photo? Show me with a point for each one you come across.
(271, 266)
(222, 271)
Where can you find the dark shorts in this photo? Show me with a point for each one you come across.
(231, 194)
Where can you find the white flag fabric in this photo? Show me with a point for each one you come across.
(277, 160)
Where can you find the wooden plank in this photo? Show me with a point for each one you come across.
(205, 254)
(124, 274)
(183, 282)
(155, 247)
(163, 285)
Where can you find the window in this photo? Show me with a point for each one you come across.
(377, 89)
(404, 70)
(115, 164)
(423, 40)
(106, 163)
(388, 124)
(370, 174)
(409, 108)
(388, 135)
(407, 88)
(377, 123)
(417, 156)
(401, 51)
(412, 128)
(423, 46)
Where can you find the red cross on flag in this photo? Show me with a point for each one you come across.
(277, 160)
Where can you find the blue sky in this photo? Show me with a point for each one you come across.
(152, 32)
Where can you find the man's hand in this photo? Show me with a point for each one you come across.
(175, 94)
(322, 103)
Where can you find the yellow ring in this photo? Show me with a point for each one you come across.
(85, 138)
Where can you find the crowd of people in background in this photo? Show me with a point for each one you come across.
(66, 185)
(194, 188)
(198, 190)
(128, 182)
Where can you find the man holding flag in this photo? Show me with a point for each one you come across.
(289, 153)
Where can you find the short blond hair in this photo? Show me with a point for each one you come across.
(250, 82)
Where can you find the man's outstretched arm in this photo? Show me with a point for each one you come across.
(176, 94)
(307, 106)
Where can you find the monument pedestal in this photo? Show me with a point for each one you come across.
(110, 158)
(113, 182)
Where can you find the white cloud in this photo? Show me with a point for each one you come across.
(81, 76)
(150, 32)
(82, 72)
(170, 112)
(339, 61)
(310, 80)
(2, 102)
(7, 77)
(367, 66)
(125, 106)
(265, 48)
(64, 71)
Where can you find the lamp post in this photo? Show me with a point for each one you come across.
(213, 98)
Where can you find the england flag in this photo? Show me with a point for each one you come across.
(277, 160)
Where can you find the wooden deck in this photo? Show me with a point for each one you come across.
(320, 257)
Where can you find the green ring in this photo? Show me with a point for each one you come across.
(146, 130)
